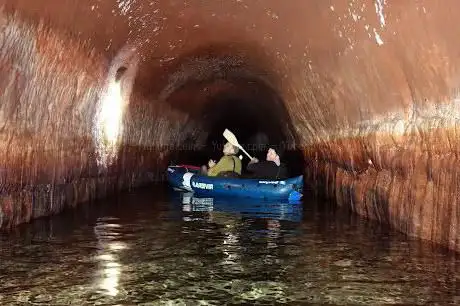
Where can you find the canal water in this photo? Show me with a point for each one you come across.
(156, 247)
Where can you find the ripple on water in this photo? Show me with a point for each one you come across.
(146, 251)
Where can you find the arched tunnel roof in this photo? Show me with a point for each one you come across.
(342, 54)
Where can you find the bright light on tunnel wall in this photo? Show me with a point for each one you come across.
(112, 114)
(109, 123)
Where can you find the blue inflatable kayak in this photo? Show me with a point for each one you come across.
(187, 178)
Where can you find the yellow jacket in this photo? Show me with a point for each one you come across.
(226, 163)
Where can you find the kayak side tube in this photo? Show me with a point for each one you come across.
(190, 180)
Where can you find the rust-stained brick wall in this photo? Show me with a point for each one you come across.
(50, 90)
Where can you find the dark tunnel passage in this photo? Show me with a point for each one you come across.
(252, 110)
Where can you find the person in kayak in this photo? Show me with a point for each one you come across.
(271, 168)
(229, 165)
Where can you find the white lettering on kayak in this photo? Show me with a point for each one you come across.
(272, 182)
(203, 186)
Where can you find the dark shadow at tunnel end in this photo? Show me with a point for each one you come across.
(228, 88)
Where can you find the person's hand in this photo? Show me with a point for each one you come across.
(211, 163)
(254, 160)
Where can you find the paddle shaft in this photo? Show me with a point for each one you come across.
(242, 149)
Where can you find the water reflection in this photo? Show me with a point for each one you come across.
(273, 227)
(212, 210)
(150, 249)
(246, 208)
(251, 243)
(107, 233)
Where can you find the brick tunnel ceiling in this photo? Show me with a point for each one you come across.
(366, 89)
(198, 57)
(311, 55)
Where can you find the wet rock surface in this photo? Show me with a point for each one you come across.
(53, 155)
(410, 182)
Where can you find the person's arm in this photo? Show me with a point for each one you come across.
(253, 167)
(222, 165)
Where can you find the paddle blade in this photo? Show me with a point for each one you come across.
(231, 138)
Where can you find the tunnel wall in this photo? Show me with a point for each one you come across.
(381, 133)
(50, 89)
(411, 189)
(370, 87)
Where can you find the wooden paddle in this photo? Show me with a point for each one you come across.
(232, 139)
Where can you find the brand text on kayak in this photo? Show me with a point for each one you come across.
(203, 186)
